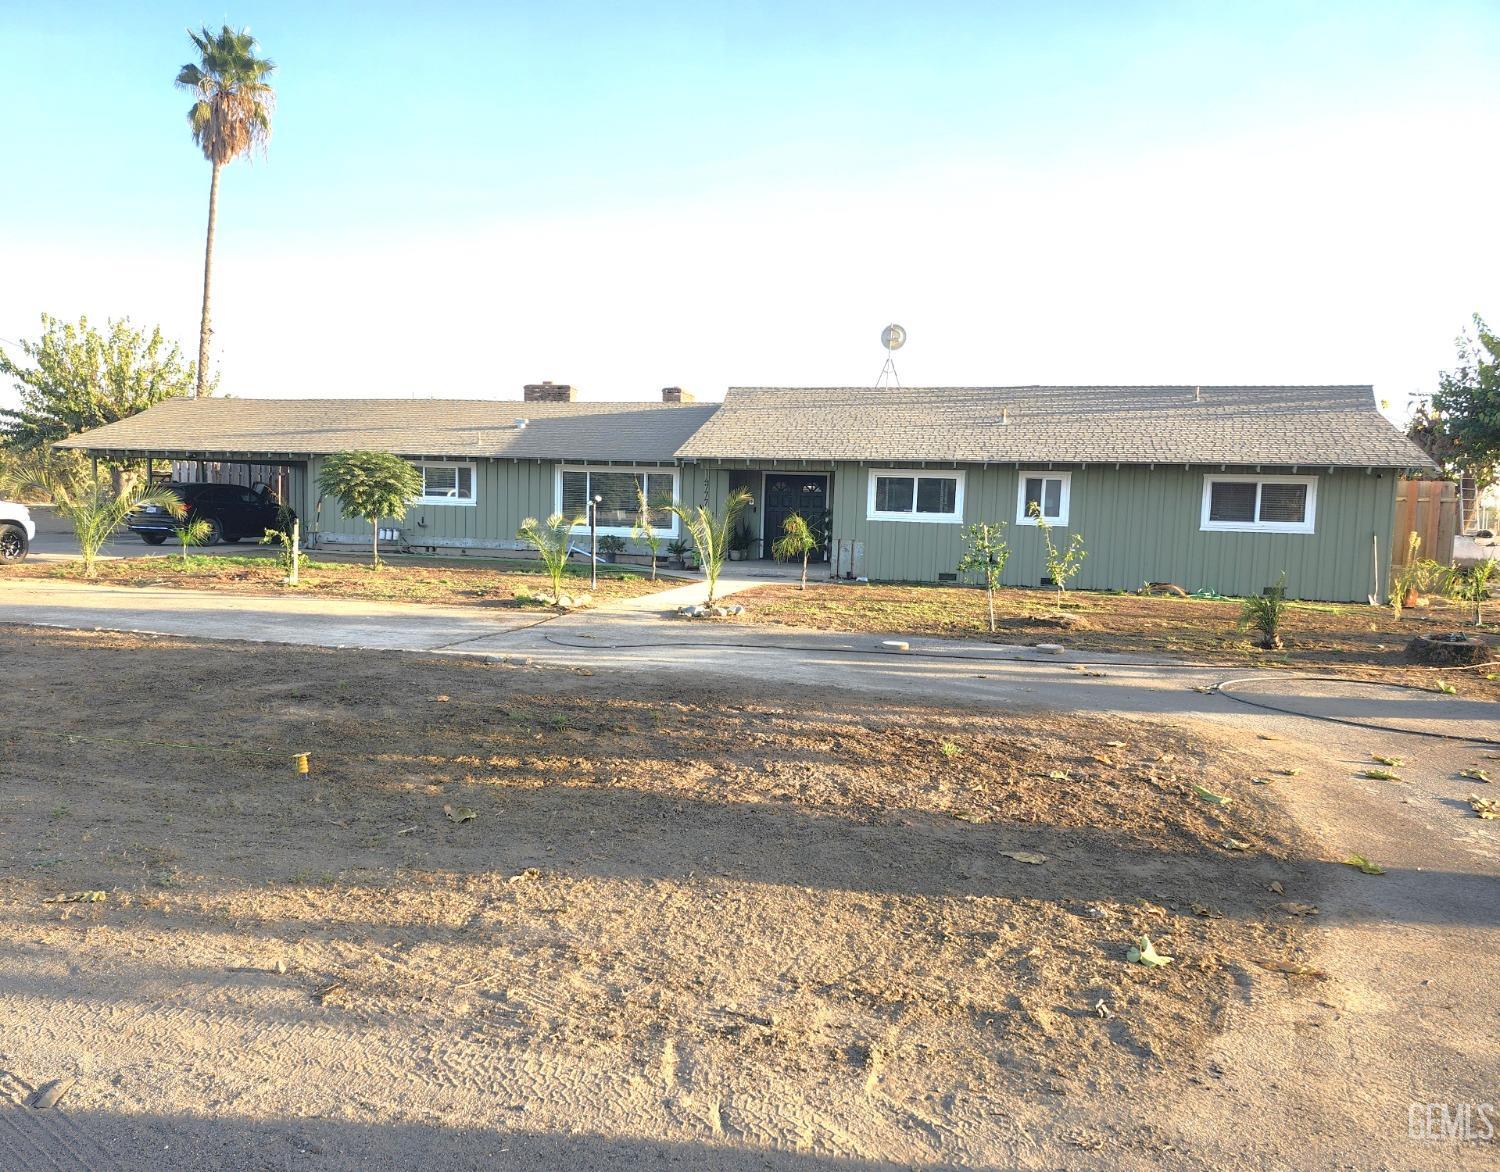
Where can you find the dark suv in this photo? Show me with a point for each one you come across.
(232, 511)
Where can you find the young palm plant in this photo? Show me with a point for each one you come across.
(797, 540)
(551, 541)
(97, 512)
(192, 531)
(710, 533)
(643, 530)
(1264, 613)
(230, 117)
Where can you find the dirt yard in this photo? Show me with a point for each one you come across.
(516, 902)
(1344, 637)
(399, 581)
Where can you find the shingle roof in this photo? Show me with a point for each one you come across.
(408, 427)
(1329, 426)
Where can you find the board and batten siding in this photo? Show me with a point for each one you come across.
(506, 493)
(1139, 524)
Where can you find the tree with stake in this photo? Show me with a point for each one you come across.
(551, 541)
(710, 533)
(370, 486)
(1062, 565)
(230, 117)
(797, 540)
(643, 530)
(985, 554)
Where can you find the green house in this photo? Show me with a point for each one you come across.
(1220, 488)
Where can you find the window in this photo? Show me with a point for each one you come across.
(898, 495)
(1259, 504)
(1048, 491)
(446, 484)
(620, 489)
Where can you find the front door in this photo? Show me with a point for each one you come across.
(787, 493)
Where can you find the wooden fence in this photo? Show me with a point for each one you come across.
(1428, 508)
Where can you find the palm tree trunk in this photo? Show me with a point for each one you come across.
(208, 273)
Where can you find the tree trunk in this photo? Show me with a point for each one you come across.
(804, 570)
(208, 273)
(375, 543)
(991, 595)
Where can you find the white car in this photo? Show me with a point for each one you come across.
(17, 532)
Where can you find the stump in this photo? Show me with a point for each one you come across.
(1456, 650)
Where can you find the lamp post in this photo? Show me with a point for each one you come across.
(594, 542)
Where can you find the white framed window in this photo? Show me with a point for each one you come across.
(1049, 491)
(447, 484)
(1259, 504)
(902, 494)
(619, 488)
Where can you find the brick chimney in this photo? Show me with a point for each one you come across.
(548, 391)
(676, 395)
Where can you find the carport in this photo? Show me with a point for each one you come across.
(285, 473)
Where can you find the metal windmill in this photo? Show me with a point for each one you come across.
(893, 337)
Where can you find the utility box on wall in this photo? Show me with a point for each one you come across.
(848, 558)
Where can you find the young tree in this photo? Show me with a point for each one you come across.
(551, 541)
(985, 554)
(77, 378)
(1062, 565)
(643, 530)
(230, 117)
(710, 533)
(370, 485)
(797, 540)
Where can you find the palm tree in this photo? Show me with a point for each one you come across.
(230, 117)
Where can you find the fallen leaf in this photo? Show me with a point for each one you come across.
(1287, 772)
(1445, 688)
(1115, 744)
(1057, 775)
(1379, 775)
(1212, 798)
(1299, 909)
(1235, 844)
(440, 699)
(460, 813)
(1260, 781)
(1364, 865)
(1292, 968)
(1025, 857)
(1103, 1010)
(1277, 887)
(1145, 954)
(1484, 807)
(1393, 762)
(1475, 775)
(1202, 909)
(77, 897)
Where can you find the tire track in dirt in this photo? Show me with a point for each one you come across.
(43, 1139)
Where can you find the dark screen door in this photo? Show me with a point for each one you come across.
(786, 494)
